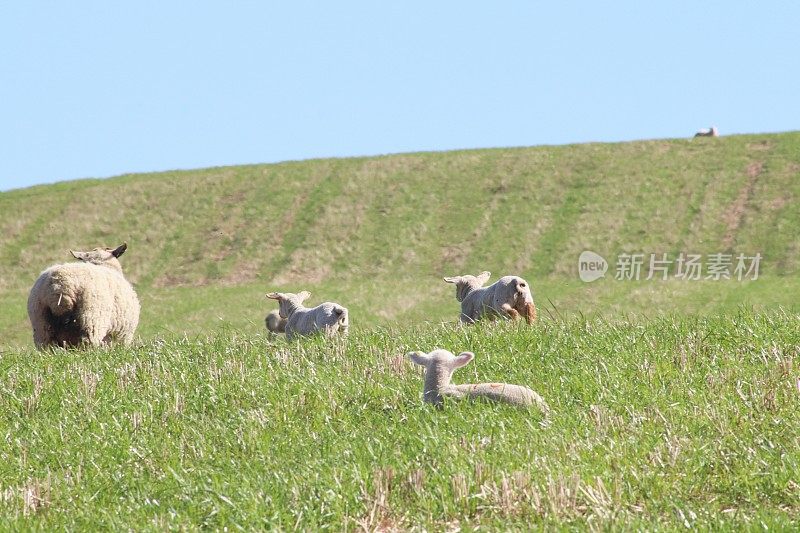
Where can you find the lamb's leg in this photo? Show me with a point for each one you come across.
(468, 314)
(512, 313)
(530, 312)
(527, 310)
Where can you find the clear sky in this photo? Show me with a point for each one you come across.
(96, 89)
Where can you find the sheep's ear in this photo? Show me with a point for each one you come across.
(420, 358)
(274, 295)
(462, 359)
(78, 255)
(453, 279)
(484, 276)
(303, 295)
(119, 250)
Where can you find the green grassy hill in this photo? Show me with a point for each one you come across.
(657, 422)
(379, 233)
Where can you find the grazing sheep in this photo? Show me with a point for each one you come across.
(275, 323)
(509, 297)
(85, 303)
(710, 132)
(439, 366)
(330, 318)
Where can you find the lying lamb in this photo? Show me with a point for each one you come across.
(710, 132)
(274, 322)
(510, 297)
(330, 318)
(439, 366)
(85, 303)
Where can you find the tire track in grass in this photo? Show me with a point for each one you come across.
(468, 251)
(734, 215)
(304, 213)
(554, 239)
(694, 214)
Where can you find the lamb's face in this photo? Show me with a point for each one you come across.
(102, 256)
(523, 290)
(440, 363)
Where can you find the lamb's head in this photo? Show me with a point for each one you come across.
(289, 302)
(523, 290)
(439, 367)
(103, 256)
(466, 284)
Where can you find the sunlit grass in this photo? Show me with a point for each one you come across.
(666, 422)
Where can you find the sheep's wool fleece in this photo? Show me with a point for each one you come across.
(103, 301)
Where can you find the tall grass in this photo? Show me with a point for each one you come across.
(678, 421)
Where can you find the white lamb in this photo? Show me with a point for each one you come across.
(85, 303)
(439, 366)
(707, 132)
(329, 318)
(509, 297)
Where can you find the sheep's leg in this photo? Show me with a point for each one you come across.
(469, 314)
(512, 313)
(530, 312)
(126, 338)
(43, 334)
(41, 338)
(89, 339)
(94, 334)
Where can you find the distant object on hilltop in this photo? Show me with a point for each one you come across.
(707, 132)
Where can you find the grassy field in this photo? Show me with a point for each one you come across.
(379, 233)
(673, 402)
(668, 423)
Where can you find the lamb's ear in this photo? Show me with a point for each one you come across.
(484, 276)
(453, 279)
(119, 250)
(303, 295)
(274, 295)
(420, 358)
(462, 359)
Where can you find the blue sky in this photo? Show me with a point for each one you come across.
(96, 89)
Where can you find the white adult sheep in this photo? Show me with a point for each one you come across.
(707, 132)
(274, 322)
(439, 366)
(84, 303)
(509, 297)
(329, 318)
